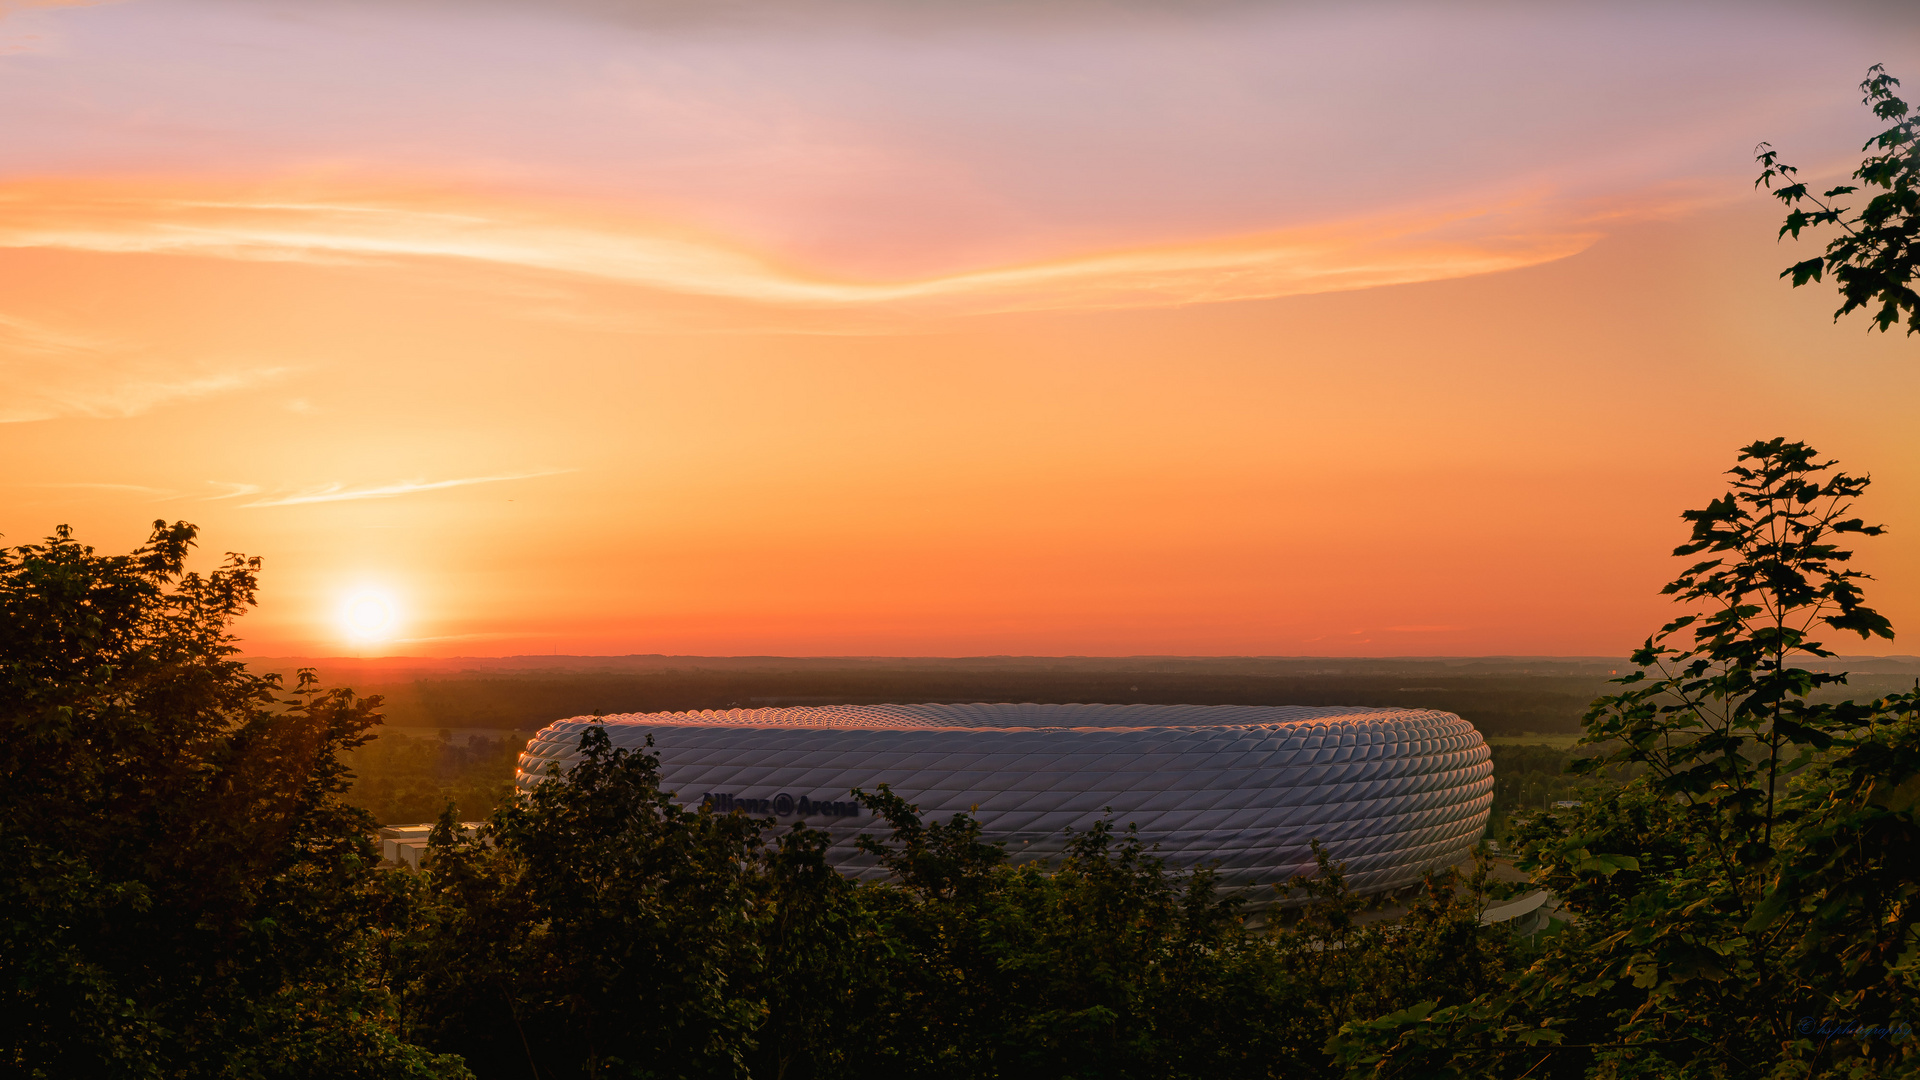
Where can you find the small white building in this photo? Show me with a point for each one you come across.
(402, 845)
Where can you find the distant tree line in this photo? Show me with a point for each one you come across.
(1504, 704)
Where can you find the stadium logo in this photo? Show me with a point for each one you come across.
(781, 805)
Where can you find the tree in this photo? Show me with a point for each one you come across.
(1109, 964)
(1873, 259)
(594, 929)
(1753, 889)
(182, 891)
(1717, 685)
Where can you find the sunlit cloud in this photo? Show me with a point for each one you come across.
(1360, 254)
(153, 494)
(328, 493)
(48, 372)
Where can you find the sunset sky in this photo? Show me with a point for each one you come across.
(932, 328)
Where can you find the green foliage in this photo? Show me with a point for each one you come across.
(1872, 260)
(183, 894)
(595, 929)
(1843, 899)
(1111, 965)
(1528, 779)
(402, 779)
(822, 954)
(599, 930)
(1093, 969)
(1756, 878)
(1346, 969)
(1718, 703)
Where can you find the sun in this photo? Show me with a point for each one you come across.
(368, 616)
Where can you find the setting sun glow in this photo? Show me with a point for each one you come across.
(847, 327)
(369, 617)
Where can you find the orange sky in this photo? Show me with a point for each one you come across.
(603, 330)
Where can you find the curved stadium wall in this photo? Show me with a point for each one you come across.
(1391, 793)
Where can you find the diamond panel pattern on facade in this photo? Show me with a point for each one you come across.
(1391, 793)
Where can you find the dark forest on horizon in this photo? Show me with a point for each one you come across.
(1502, 697)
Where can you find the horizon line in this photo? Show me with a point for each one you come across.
(1595, 657)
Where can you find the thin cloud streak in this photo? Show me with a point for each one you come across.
(327, 493)
(153, 493)
(1342, 256)
(47, 372)
(19, 335)
(107, 395)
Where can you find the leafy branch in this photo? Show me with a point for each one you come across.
(1727, 699)
(1872, 262)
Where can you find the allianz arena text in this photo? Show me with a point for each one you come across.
(1391, 793)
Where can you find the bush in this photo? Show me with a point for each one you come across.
(183, 894)
(1753, 888)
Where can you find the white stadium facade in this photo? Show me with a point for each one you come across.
(1391, 793)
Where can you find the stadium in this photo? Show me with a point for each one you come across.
(1391, 793)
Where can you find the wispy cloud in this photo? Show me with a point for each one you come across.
(1409, 247)
(19, 335)
(326, 493)
(48, 372)
(153, 493)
